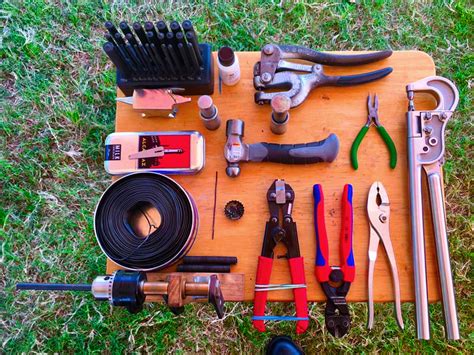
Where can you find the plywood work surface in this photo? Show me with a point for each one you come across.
(327, 110)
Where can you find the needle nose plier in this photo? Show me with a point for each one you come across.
(273, 72)
(335, 280)
(378, 209)
(280, 196)
(373, 118)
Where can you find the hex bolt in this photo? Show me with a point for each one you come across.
(443, 117)
(209, 113)
(428, 130)
(280, 113)
(428, 116)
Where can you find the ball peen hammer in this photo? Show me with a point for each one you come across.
(236, 151)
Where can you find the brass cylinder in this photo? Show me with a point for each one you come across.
(155, 288)
(197, 288)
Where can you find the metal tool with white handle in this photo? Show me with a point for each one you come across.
(426, 146)
(378, 209)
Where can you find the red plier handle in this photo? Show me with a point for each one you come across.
(347, 252)
(264, 271)
(322, 268)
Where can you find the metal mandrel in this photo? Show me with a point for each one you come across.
(209, 113)
(280, 113)
(203, 268)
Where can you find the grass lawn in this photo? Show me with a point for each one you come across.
(57, 105)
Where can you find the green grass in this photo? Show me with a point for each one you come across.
(57, 106)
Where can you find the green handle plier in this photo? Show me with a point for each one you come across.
(373, 118)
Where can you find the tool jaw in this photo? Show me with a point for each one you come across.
(378, 208)
(280, 197)
(426, 129)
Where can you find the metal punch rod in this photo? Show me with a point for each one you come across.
(137, 27)
(191, 38)
(192, 54)
(168, 60)
(125, 28)
(442, 250)
(418, 240)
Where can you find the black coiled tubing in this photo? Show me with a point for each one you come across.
(165, 245)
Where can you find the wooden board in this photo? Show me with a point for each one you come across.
(327, 109)
(232, 285)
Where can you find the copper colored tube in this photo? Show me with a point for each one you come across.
(155, 288)
(197, 288)
(161, 288)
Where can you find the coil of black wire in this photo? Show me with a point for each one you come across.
(161, 247)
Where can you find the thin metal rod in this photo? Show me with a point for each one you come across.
(53, 287)
(442, 250)
(418, 237)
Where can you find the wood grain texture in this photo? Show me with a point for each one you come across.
(327, 109)
(232, 285)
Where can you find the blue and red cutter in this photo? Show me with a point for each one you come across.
(335, 280)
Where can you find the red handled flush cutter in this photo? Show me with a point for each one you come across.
(335, 280)
(280, 196)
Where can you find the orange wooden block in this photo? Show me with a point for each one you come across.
(328, 109)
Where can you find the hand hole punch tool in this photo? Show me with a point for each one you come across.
(280, 197)
(335, 280)
(378, 210)
(373, 118)
(426, 129)
(273, 72)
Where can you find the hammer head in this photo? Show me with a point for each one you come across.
(234, 149)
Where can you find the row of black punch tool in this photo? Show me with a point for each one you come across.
(157, 56)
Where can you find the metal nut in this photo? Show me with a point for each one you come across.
(428, 130)
(427, 116)
(266, 77)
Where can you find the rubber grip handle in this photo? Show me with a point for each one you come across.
(355, 146)
(346, 250)
(264, 271)
(322, 268)
(349, 80)
(301, 300)
(390, 145)
(305, 153)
